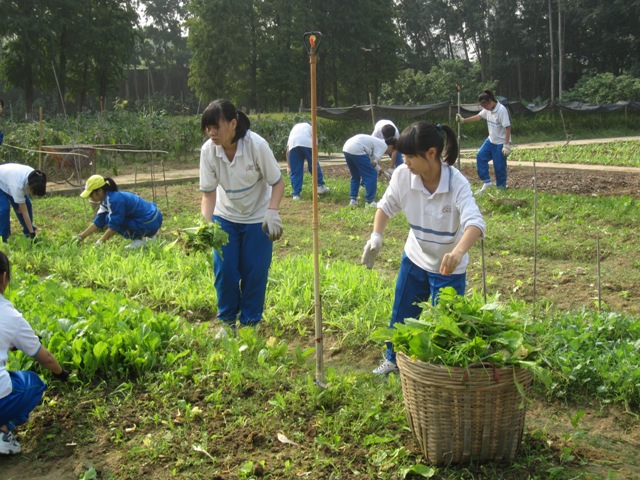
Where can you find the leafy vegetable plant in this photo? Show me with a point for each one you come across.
(460, 331)
(204, 237)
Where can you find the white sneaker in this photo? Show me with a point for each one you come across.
(372, 205)
(296, 197)
(151, 239)
(136, 244)
(485, 186)
(323, 189)
(385, 368)
(353, 203)
(8, 444)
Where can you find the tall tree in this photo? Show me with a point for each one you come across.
(162, 40)
(27, 40)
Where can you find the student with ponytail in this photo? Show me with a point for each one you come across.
(497, 146)
(241, 187)
(123, 213)
(17, 184)
(445, 222)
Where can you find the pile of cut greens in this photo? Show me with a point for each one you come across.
(204, 237)
(462, 330)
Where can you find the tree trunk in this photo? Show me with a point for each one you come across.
(551, 56)
(560, 50)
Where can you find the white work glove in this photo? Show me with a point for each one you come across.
(371, 250)
(76, 239)
(386, 175)
(459, 118)
(98, 243)
(272, 225)
(378, 168)
(506, 149)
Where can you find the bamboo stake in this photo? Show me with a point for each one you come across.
(312, 41)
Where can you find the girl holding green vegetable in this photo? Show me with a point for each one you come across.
(241, 187)
(444, 218)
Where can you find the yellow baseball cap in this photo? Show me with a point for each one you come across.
(93, 183)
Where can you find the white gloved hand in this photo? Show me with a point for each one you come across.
(506, 150)
(272, 225)
(459, 118)
(98, 243)
(371, 250)
(377, 167)
(386, 175)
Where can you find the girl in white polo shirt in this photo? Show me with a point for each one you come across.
(241, 187)
(444, 219)
(497, 146)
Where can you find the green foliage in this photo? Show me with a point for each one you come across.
(439, 85)
(622, 153)
(594, 354)
(94, 334)
(605, 88)
(205, 237)
(462, 330)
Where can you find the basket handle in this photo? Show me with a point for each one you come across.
(496, 373)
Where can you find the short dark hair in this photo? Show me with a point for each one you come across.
(37, 182)
(388, 131)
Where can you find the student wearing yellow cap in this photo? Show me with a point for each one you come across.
(124, 213)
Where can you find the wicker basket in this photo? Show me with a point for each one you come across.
(464, 415)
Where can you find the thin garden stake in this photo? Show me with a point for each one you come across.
(535, 234)
(484, 273)
(599, 290)
(311, 43)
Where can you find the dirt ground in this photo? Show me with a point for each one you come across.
(607, 443)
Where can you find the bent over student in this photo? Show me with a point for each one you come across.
(124, 213)
(363, 153)
(241, 187)
(17, 183)
(20, 391)
(444, 221)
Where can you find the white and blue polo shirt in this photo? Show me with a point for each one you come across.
(243, 184)
(437, 220)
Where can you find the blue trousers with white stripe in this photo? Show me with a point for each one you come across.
(27, 392)
(362, 170)
(297, 157)
(241, 273)
(490, 151)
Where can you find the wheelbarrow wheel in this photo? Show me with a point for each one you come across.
(82, 166)
(58, 168)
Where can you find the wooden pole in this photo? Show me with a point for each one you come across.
(313, 39)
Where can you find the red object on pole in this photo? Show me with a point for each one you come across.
(312, 42)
